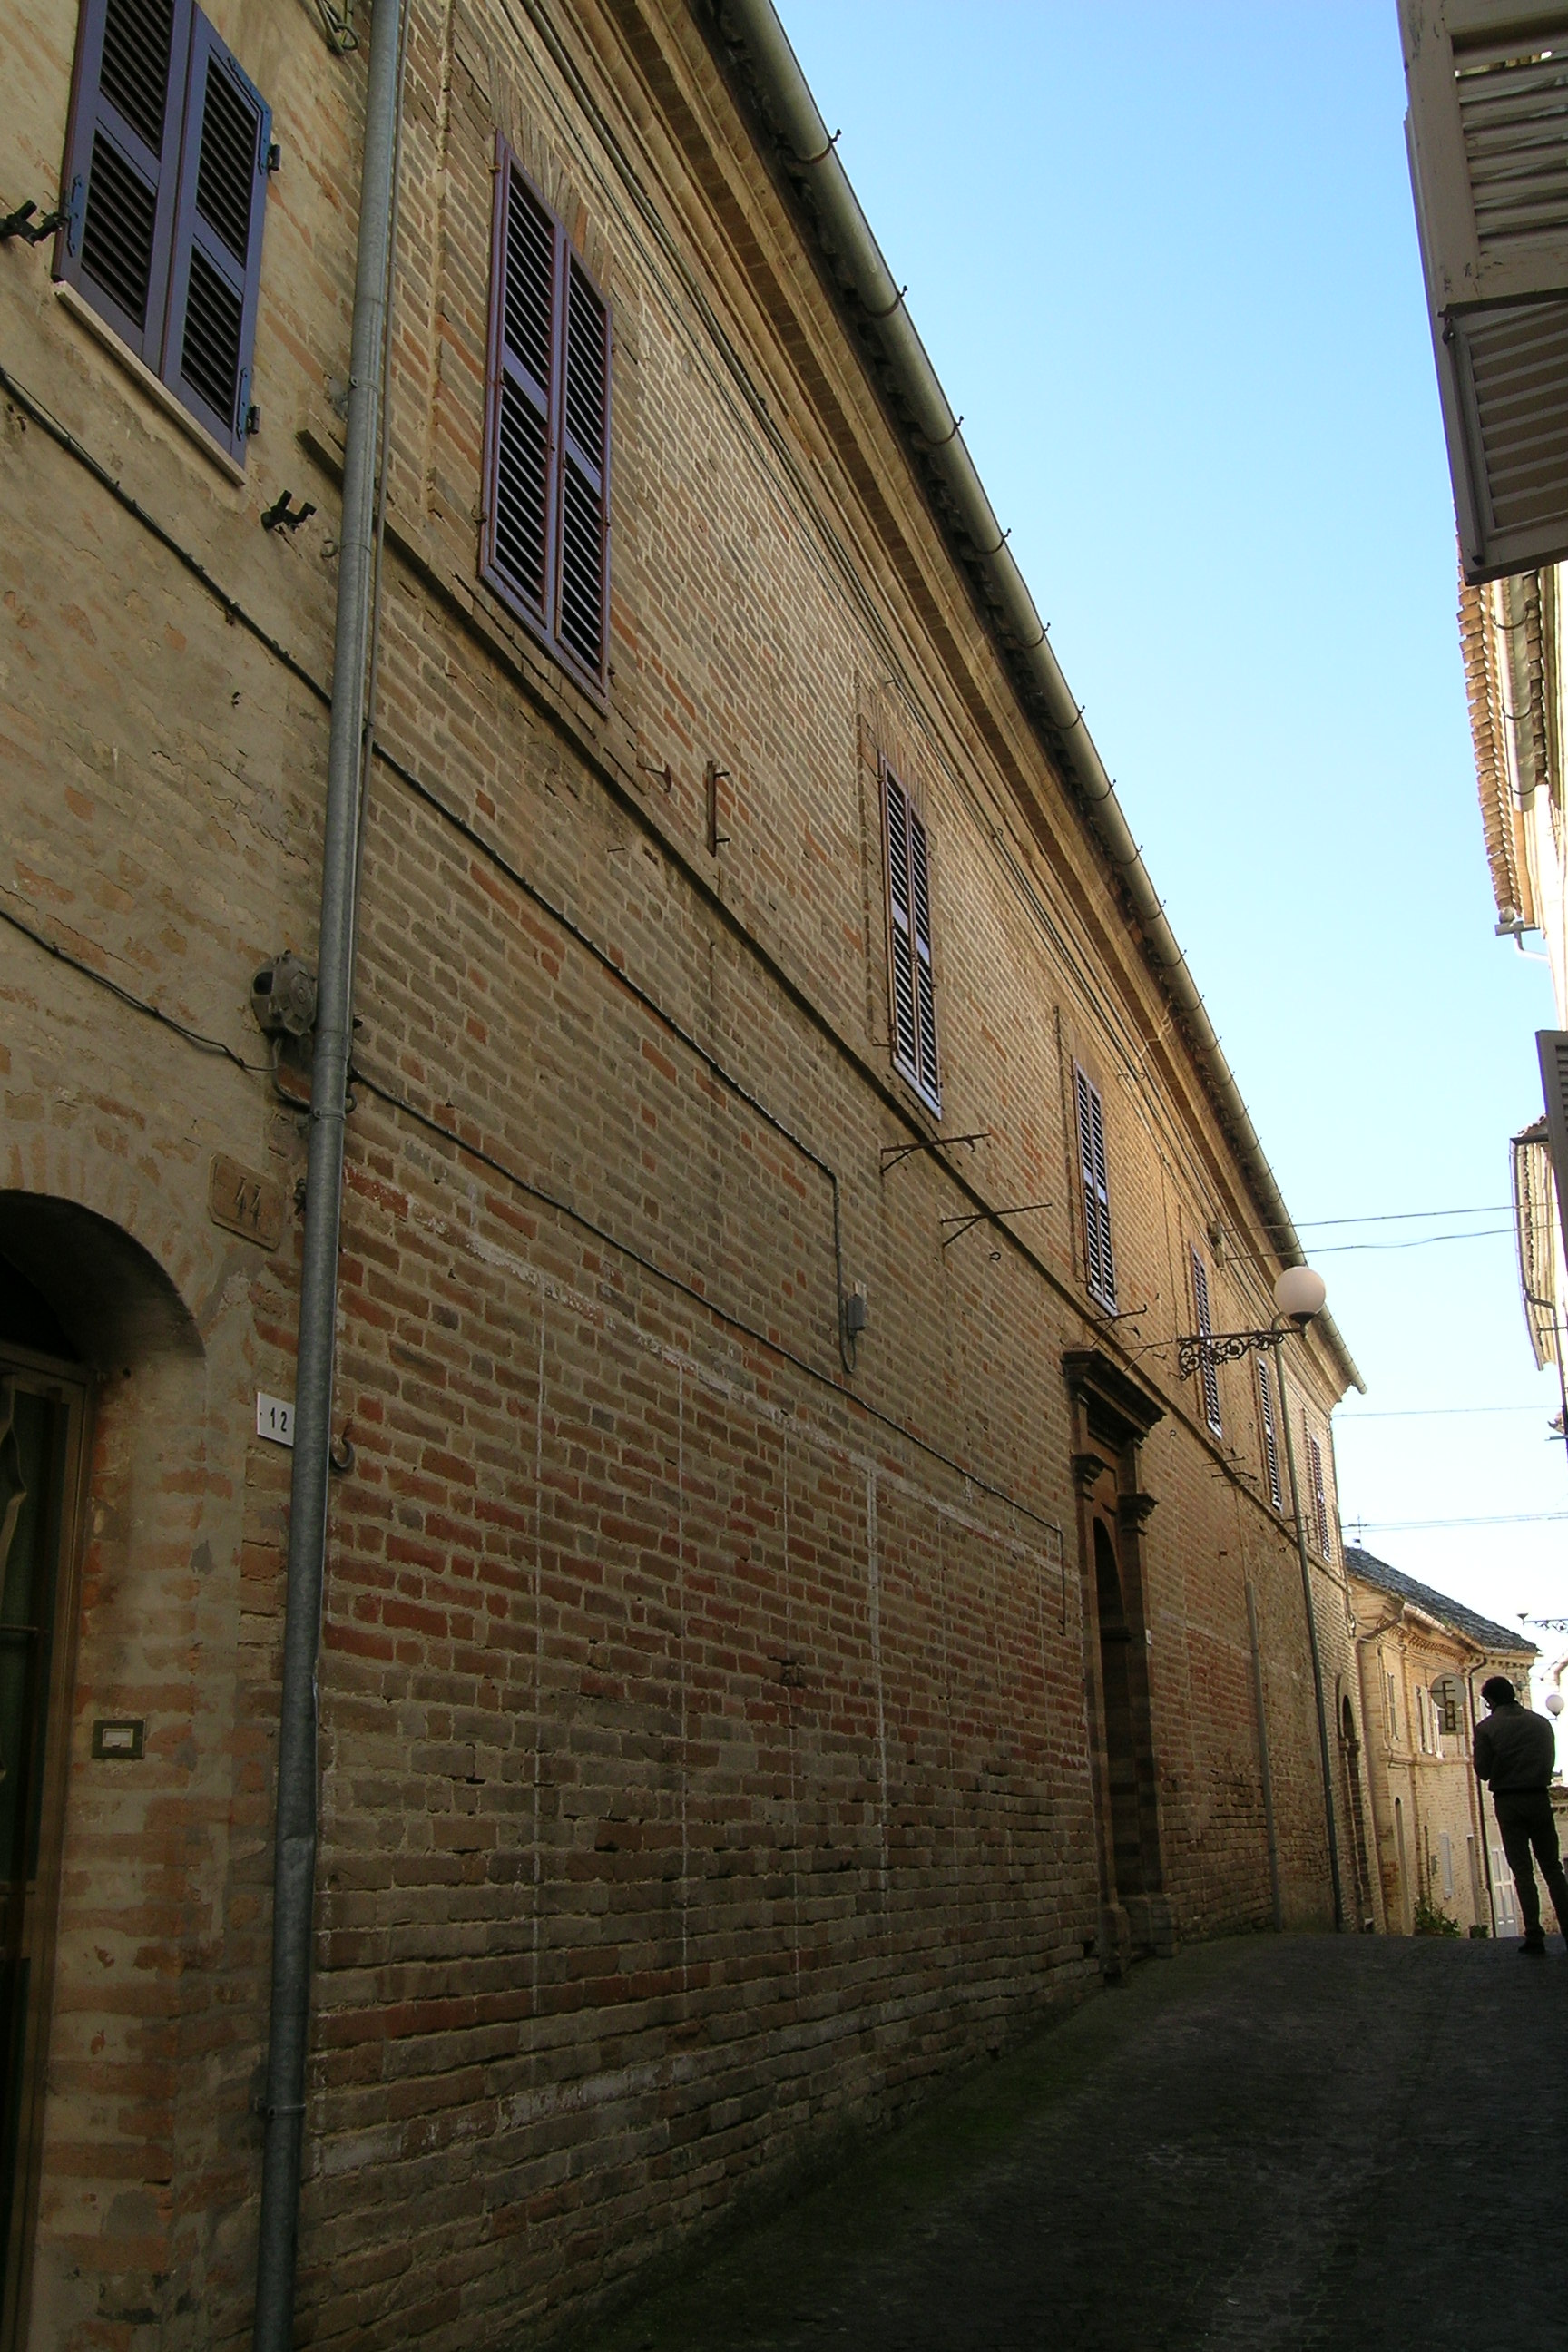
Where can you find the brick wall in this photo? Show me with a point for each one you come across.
(707, 1729)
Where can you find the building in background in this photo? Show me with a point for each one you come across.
(1511, 633)
(786, 1620)
(1487, 134)
(1421, 1660)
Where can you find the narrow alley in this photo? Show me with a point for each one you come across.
(1300, 2142)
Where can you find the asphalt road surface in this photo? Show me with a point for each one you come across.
(1330, 2145)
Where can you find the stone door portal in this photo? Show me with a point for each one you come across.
(1112, 1415)
(40, 1436)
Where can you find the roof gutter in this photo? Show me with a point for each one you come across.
(766, 59)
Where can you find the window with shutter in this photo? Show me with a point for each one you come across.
(545, 550)
(1100, 1263)
(1270, 1436)
(1319, 1496)
(912, 975)
(165, 200)
(1207, 1371)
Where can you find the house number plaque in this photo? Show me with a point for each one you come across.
(244, 1202)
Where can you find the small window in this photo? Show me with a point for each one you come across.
(1099, 1263)
(911, 979)
(165, 198)
(1319, 1498)
(545, 544)
(1270, 1436)
(1392, 1708)
(1207, 1373)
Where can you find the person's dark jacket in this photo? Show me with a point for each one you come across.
(1515, 1749)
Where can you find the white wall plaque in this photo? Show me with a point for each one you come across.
(275, 1418)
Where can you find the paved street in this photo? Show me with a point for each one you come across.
(1296, 2142)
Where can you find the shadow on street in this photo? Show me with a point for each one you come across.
(1297, 2141)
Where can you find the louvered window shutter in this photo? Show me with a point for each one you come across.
(523, 370)
(1487, 134)
(913, 985)
(584, 472)
(1552, 1045)
(1270, 1436)
(1099, 1264)
(122, 180)
(215, 274)
(1207, 1372)
(1320, 1496)
(166, 198)
(546, 540)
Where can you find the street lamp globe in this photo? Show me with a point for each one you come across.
(1299, 1294)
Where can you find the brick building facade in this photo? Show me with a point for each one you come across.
(729, 1719)
(1422, 1659)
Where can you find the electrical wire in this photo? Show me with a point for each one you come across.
(1402, 1216)
(1344, 1420)
(196, 1037)
(1426, 1241)
(1410, 1527)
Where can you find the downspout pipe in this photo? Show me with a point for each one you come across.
(813, 162)
(1331, 1823)
(294, 1868)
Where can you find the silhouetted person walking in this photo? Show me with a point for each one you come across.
(1515, 1751)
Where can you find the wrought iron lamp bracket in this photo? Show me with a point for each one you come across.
(1196, 1350)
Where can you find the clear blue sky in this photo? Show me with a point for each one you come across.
(1165, 264)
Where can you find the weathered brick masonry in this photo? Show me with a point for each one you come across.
(718, 1742)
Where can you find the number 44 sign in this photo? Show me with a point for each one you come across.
(275, 1418)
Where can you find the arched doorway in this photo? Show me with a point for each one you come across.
(43, 1413)
(1112, 1415)
(91, 1330)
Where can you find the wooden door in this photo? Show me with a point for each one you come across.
(41, 1420)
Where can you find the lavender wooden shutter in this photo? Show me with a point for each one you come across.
(517, 552)
(585, 443)
(216, 278)
(122, 176)
(1100, 1263)
(900, 926)
(1270, 1437)
(924, 971)
(1207, 1373)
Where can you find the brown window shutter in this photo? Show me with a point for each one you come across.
(1320, 1496)
(1100, 1263)
(911, 978)
(1208, 1374)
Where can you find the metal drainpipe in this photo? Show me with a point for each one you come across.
(1311, 1637)
(1277, 1907)
(294, 1874)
